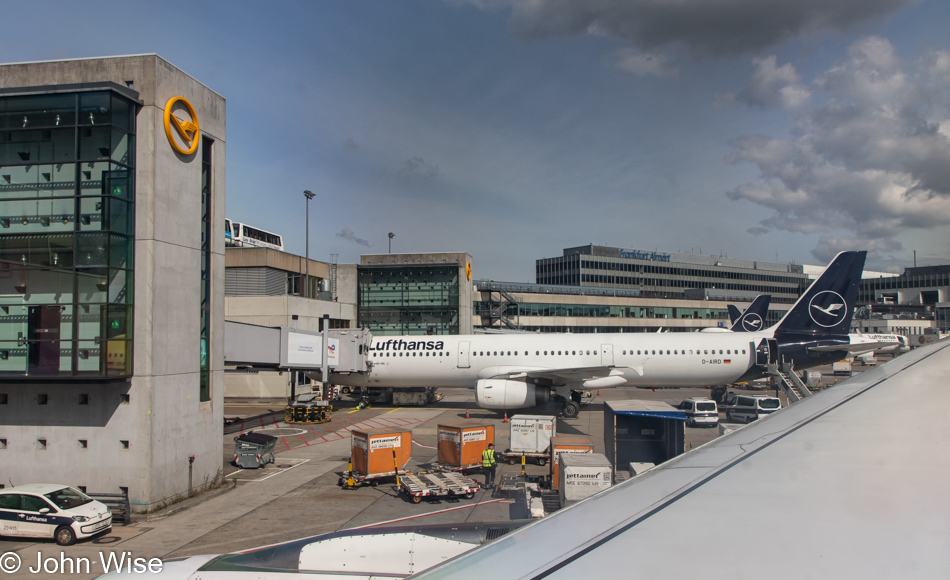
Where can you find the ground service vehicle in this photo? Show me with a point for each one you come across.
(700, 412)
(748, 408)
(48, 510)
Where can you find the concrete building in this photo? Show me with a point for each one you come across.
(111, 276)
(401, 294)
(264, 287)
(669, 275)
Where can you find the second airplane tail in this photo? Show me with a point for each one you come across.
(828, 304)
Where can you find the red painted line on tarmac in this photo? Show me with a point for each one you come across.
(276, 426)
(242, 428)
(464, 507)
(306, 444)
(317, 433)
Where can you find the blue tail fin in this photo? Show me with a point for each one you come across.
(734, 314)
(753, 319)
(828, 304)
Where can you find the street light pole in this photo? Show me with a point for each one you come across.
(306, 289)
(391, 236)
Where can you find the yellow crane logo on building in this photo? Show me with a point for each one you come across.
(187, 131)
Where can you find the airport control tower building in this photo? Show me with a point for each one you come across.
(111, 277)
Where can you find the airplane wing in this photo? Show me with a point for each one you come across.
(567, 375)
(853, 477)
(858, 348)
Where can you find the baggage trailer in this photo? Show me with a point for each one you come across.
(461, 445)
(376, 454)
(437, 485)
(530, 437)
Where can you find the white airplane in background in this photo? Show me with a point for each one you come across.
(516, 371)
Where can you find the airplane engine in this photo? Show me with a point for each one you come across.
(504, 394)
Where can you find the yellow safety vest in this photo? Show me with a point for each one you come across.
(488, 458)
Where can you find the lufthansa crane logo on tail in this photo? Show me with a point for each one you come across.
(752, 322)
(827, 309)
(182, 134)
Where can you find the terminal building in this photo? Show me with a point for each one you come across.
(111, 277)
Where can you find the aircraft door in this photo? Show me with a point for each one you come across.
(767, 352)
(762, 353)
(606, 354)
(464, 347)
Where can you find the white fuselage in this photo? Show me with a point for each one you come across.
(670, 359)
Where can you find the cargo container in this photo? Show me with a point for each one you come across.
(532, 433)
(567, 444)
(461, 444)
(582, 475)
(372, 451)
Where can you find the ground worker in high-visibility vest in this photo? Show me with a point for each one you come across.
(488, 465)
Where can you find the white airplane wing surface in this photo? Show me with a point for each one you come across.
(849, 483)
(857, 348)
(567, 375)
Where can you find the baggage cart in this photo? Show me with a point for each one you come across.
(253, 450)
(461, 445)
(437, 485)
(376, 454)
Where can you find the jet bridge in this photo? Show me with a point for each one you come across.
(284, 348)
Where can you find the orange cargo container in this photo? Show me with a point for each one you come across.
(372, 451)
(461, 444)
(567, 444)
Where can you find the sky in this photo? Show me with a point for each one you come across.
(753, 129)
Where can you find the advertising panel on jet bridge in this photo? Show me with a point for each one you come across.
(461, 444)
(305, 350)
(373, 449)
(532, 433)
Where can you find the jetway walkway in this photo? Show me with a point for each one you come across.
(284, 348)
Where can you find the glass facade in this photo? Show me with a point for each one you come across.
(204, 391)
(67, 225)
(409, 299)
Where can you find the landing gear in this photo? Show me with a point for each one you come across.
(571, 410)
(572, 405)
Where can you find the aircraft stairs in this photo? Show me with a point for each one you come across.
(795, 389)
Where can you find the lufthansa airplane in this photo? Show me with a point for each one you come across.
(516, 371)
(753, 319)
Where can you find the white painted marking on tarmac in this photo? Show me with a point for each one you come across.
(302, 461)
(464, 507)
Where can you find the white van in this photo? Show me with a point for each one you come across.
(700, 412)
(748, 408)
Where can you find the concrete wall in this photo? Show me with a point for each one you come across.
(163, 421)
(279, 310)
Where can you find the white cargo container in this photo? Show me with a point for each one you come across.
(531, 433)
(581, 476)
(812, 378)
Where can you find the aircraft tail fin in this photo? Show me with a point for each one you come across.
(734, 314)
(828, 304)
(753, 319)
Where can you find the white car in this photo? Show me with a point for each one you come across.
(47, 510)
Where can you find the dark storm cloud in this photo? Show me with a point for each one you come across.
(704, 27)
(873, 159)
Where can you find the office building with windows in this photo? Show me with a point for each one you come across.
(111, 276)
(653, 274)
(415, 293)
